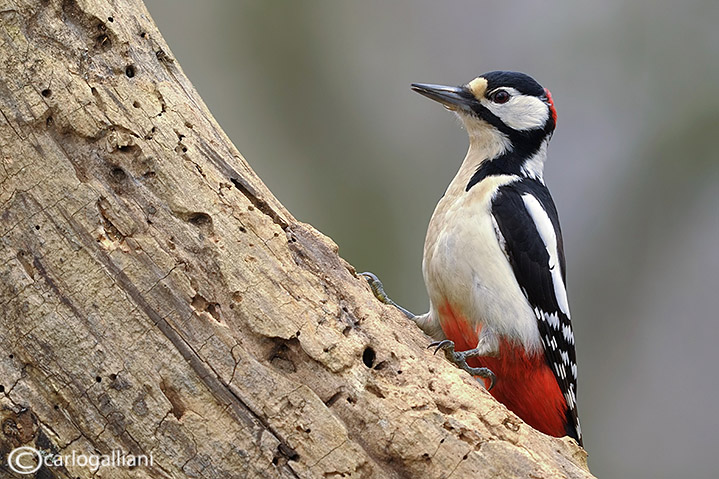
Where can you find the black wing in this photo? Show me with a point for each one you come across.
(528, 230)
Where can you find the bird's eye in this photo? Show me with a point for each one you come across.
(500, 96)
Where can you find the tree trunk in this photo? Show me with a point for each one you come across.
(157, 299)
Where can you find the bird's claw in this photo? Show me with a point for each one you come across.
(459, 358)
(378, 290)
(445, 344)
(377, 287)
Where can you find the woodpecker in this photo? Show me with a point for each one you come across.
(493, 261)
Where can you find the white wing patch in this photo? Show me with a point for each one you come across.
(549, 238)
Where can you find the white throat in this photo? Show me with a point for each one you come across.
(485, 141)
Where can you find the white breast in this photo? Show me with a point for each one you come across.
(465, 265)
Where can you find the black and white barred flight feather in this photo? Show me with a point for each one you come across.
(530, 235)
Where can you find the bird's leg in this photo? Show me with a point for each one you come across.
(426, 322)
(379, 293)
(487, 346)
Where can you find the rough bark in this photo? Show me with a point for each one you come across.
(156, 298)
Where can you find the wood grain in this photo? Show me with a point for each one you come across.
(155, 297)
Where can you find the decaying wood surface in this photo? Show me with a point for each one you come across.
(156, 298)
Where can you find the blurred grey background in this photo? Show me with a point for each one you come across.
(316, 96)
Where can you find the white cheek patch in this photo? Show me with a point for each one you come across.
(521, 112)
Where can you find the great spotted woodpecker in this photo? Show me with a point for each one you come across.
(493, 256)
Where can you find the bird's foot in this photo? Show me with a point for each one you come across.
(378, 290)
(459, 358)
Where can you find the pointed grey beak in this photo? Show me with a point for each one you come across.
(452, 97)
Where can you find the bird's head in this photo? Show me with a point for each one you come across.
(501, 110)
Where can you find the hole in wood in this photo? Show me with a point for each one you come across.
(200, 304)
(368, 357)
(200, 219)
(103, 42)
(118, 175)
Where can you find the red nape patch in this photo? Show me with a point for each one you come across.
(525, 383)
(552, 110)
